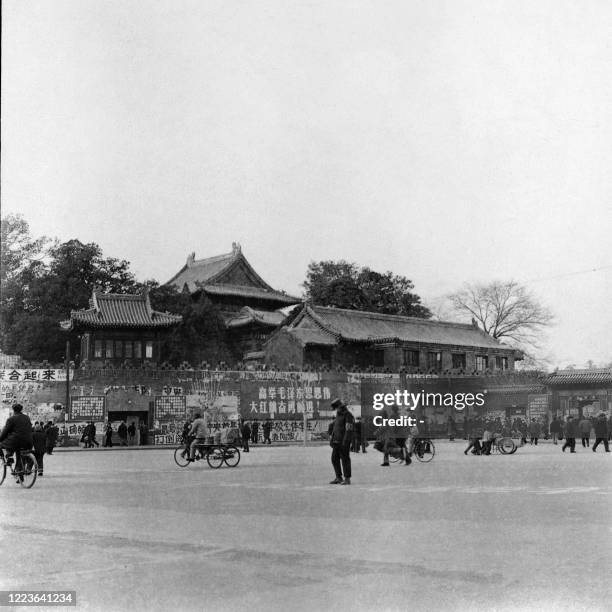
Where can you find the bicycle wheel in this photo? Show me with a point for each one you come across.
(425, 451)
(180, 456)
(231, 456)
(215, 457)
(507, 446)
(28, 470)
(2, 470)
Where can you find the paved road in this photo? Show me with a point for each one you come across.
(131, 530)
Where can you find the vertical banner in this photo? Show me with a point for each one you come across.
(87, 408)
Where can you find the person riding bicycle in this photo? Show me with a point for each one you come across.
(199, 432)
(16, 434)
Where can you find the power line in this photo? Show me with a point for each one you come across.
(589, 271)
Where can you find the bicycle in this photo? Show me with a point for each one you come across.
(215, 455)
(24, 468)
(423, 449)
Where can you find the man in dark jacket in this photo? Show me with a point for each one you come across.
(601, 433)
(122, 432)
(39, 439)
(571, 432)
(254, 431)
(17, 433)
(267, 428)
(246, 436)
(52, 434)
(555, 429)
(341, 438)
(108, 435)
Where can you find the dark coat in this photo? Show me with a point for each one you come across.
(17, 431)
(246, 430)
(571, 429)
(601, 428)
(40, 441)
(122, 431)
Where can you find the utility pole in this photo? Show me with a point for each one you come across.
(67, 380)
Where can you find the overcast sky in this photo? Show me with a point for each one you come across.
(447, 141)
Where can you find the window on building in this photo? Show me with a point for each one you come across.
(501, 363)
(98, 349)
(482, 362)
(411, 358)
(138, 350)
(118, 348)
(149, 350)
(459, 361)
(434, 360)
(109, 349)
(128, 349)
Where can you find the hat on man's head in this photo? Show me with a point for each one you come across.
(17, 407)
(337, 403)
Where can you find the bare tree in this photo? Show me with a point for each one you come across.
(504, 310)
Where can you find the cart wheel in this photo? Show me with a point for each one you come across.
(231, 456)
(215, 457)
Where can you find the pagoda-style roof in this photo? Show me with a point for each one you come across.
(248, 315)
(227, 275)
(573, 377)
(119, 310)
(377, 328)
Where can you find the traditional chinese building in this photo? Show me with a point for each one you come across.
(333, 336)
(250, 307)
(120, 329)
(581, 392)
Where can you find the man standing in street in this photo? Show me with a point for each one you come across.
(585, 431)
(254, 431)
(601, 433)
(571, 431)
(340, 441)
(555, 429)
(122, 432)
(534, 432)
(245, 433)
(267, 428)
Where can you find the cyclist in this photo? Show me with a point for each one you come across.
(16, 434)
(199, 432)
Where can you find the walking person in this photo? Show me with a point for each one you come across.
(245, 432)
(555, 429)
(92, 435)
(254, 431)
(570, 433)
(51, 435)
(452, 429)
(585, 426)
(122, 432)
(131, 430)
(267, 428)
(359, 437)
(143, 433)
(601, 433)
(341, 437)
(108, 436)
(39, 438)
(476, 434)
(534, 432)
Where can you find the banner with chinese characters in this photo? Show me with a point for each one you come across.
(170, 407)
(89, 407)
(285, 399)
(38, 375)
(538, 405)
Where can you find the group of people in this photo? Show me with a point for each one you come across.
(18, 434)
(573, 428)
(129, 435)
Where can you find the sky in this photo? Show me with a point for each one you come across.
(450, 142)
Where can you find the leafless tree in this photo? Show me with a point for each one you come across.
(504, 310)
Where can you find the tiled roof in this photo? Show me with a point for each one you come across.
(249, 315)
(119, 310)
(201, 270)
(354, 325)
(565, 377)
(312, 336)
(252, 292)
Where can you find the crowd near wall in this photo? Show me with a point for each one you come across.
(293, 401)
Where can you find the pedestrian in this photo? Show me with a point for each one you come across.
(39, 438)
(16, 433)
(108, 435)
(143, 433)
(341, 437)
(534, 432)
(254, 431)
(476, 434)
(601, 433)
(400, 433)
(452, 428)
(85, 436)
(267, 428)
(383, 438)
(51, 434)
(555, 429)
(359, 437)
(92, 435)
(198, 433)
(585, 426)
(122, 432)
(570, 433)
(131, 430)
(246, 436)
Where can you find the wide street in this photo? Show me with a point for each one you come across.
(130, 530)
